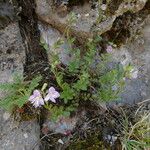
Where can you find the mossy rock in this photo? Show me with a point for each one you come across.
(93, 142)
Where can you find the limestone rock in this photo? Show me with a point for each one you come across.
(138, 54)
(12, 52)
(64, 126)
(14, 136)
(88, 20)
(50, 37)
(7, 14)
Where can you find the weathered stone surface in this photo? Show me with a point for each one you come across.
(13, 135)
(88, 19)
(64, 126)
(7, 14)
(50, 36)
(12, 52)
(138, 54)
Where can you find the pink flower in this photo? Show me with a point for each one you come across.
(52, 95)
(109, 49)
(36, 99)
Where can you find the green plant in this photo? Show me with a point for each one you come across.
(80, 75)
(57, 112)
(137, 135)
(88, 74)
(18, 92)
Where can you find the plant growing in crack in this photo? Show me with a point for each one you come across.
(18, 91)
(88, 75)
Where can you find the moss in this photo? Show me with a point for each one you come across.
(93, 142)
(26, 113)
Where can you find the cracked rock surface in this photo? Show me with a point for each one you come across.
(52, 24)
(137, 53)
(14, 135)
(89, 19)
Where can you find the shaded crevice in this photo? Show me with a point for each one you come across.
(126, 26)
(36, 56)
(111, 8)
(30, 33)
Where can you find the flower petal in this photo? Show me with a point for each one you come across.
(41, 101)
(47, 97)
(36, 99)
(109, 49)
(36, 104)
(52, 100)
(56, 95)
(36, 93)
(51, 89)
(31, 98)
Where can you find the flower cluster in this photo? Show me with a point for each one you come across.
(37, 100)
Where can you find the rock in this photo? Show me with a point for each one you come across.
(50, 36)
(6, 116)
(138, 54)
(110, 139)
(21, 136)
(64, 125)
(14, 135)
(60, 141)
(7, 14)
(85, 24)
(12, 52)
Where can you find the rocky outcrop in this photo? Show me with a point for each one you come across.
(7, 14)
(114, 22)
(13, 135)
(136, 53)
(121, 24)
(89, 21)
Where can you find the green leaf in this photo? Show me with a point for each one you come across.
(68, 93)
(58, 44)
(74, 64)
(18, 92)
(82, 83)
(34, 83)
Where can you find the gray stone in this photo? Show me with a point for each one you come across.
(87, 19)
(7, 14)
(65, 125)
(12, 51)
(138, 54)
(50, 36)
(14, 135)
(18, 136)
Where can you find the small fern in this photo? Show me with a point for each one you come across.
(18, 92)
